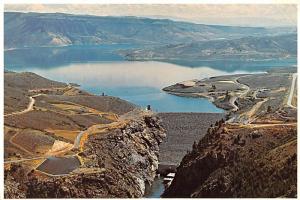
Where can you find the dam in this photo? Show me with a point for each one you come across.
(182, 130)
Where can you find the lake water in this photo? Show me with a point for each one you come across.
(137, 82)
(101, 69)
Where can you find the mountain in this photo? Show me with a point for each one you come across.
(265, 47)
(57, 29)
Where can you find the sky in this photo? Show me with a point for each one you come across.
(229, 14)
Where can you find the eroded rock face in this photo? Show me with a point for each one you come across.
(15, 178)
(124, 159)
(239, 162)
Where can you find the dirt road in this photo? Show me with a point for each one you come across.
(28, 109)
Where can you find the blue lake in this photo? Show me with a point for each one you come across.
(102, 69)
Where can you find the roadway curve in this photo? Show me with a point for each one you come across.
(32, 100)
(78, 139)
(123, 119)
(25, 159)
(28, 109)
(242, 95)
(289, 102)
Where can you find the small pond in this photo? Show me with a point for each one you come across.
(59, 165)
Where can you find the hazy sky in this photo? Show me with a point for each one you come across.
(243, 15)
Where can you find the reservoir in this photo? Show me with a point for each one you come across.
(100, 69)
(137, 82)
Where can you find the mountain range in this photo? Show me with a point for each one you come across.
(247, 48)
(157, 39)
(57, 29)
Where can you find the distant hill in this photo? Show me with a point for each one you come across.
(264, 47)
(56, 29)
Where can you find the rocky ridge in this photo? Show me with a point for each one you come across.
(117, 163)
(231, 161)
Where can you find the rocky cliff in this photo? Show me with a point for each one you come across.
(235, 161)
(117, 163)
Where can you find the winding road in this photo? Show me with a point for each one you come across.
(32, 100)
(78, 139)
(123, 119)
(25, 159)
(28, 109)
(242, 95)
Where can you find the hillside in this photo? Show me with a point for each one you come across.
(40, 29)
(253, 153)
(16, 86)
(231, 161)
(59, 137)
(247, 48)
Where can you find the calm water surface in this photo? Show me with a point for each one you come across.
(137, 82)
(101, 69)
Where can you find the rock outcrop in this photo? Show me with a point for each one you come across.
(117, 163)
(15, 178)
(254, 161)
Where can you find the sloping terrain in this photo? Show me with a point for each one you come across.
(233, 161)
(38, 104)
(247, 48)
(253, 154)
(68, 143)
(56, 29)
(16, 86)
(105, 171)
(246, 97)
